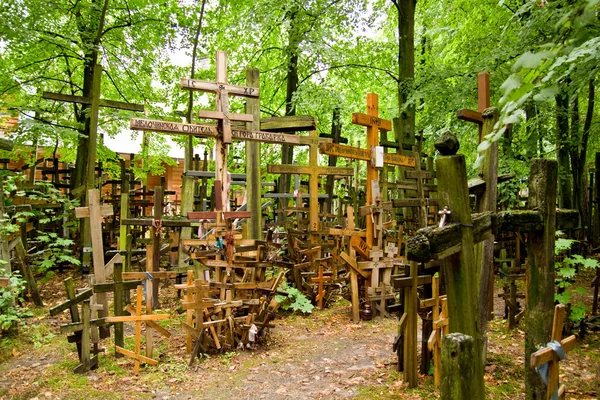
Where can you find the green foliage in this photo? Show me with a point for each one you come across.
(566, 272)
(10, 313)
(53, 248)
(295, 300)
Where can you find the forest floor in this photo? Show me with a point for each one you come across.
(323, 355)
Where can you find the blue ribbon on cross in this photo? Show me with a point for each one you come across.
(556, 346)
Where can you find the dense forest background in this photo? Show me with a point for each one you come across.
(421, 57)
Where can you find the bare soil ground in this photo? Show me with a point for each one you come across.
(321, 356)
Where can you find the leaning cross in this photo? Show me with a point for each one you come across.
(320, 280)
(94, 211)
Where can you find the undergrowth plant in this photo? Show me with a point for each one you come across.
(53, 248)
(295, 300)
(566, 271)
(10, 313)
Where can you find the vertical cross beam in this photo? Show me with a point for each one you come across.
(373, 124)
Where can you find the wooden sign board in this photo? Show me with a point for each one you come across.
(361, 247)
(179, 128)
(307, 170)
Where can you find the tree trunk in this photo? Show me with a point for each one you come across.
(406, 67)
(562, 156)
(294, 39)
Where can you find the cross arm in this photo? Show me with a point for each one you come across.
(547, 354)
(435, 243)
(368, 120)
(84, 212)
(86, 294)
(470, 116)
(88, 101)
(205, 86)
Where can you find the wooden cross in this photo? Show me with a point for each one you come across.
(118, 287)
(94, 211)
(320, 280)
(407, 326)
(137, 318)
(483, 102)
(71, 304)
(223, 90)
(350, 259)
(440, 326)
(82, 329)
(314, 171)
(547, 355)
(95, 102)
(380, 295)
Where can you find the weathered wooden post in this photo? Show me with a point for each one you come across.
(540, 274)
(459, 372)
(460, 269)
(253, 177)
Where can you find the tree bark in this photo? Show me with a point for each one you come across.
(562, 155)
(292, 51)
(406, 67)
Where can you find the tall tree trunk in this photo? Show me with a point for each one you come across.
(562, 145)
(90, 31)
(187, 190)
(292, 51)
(531, 116)
(406, 67)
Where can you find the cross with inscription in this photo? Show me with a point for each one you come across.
(373, 124)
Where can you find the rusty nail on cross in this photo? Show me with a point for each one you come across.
(443, 213)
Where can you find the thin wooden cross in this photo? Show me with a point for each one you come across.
(440, 324)
(137, 318)
(95, 102)
(82, 328)
(483, 102)
(547, 355)
(314, 171)
(321, 280)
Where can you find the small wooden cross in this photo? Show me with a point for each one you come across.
(379, 296)
(118, 287)
(137, 318)
(83, 329)
(483, 102)
(440, 324)
(547, 355)
(320, 280)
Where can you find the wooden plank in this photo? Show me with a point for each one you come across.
(137, 357)
(215, 87)
(361, 247)
(400, 283)
(308, 170)
(547, 354)
(469, 116)
(369, 120)
(399, 159)
(84, 100)
(338, 150)
(153, 274)
(134, 318)
(210, 114)
(84, 212)
(292, 123)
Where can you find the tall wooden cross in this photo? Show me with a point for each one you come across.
(374, 124)
(314, 171)
(95, 102)
(483, 102)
